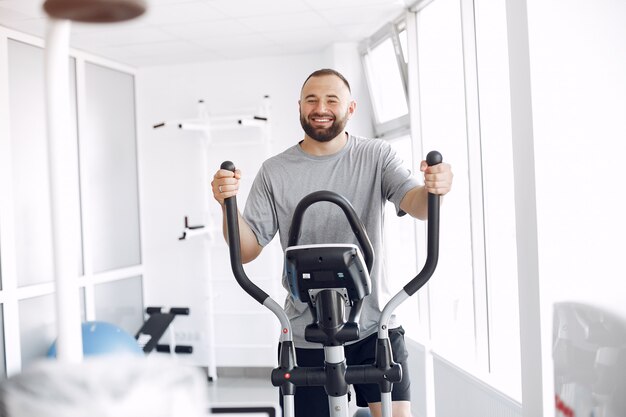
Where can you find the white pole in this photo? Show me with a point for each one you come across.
(212, 365)
(386, 404)
(338, 406)
(63, 197)
(289, 406)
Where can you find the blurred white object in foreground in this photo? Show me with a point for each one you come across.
(105, 387)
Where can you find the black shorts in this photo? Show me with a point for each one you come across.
(313, 401)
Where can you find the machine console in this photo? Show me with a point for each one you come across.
(311, 268)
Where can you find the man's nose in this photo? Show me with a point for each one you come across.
(320, 107)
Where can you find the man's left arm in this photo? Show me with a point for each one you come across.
(437, 180)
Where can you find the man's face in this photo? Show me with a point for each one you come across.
(325, 107)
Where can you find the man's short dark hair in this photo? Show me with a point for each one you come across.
(328, 71)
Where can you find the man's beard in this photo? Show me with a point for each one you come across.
(324, 134)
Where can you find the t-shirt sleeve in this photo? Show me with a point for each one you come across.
(397, 179)
(260, 211)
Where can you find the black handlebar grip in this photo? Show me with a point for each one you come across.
(433, 158)
(232, 223)
(228, 165)
(432, 256)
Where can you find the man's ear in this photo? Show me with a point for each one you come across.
(352, 108)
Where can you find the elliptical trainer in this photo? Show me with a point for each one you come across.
(330, 277)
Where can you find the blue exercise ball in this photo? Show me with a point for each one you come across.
(101, 338)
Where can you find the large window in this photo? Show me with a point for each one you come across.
(443, 127)
(468, 313)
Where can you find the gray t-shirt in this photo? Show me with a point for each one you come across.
(367, 172)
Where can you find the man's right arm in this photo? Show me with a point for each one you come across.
(226, 184)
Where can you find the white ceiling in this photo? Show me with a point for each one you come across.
(179, 31)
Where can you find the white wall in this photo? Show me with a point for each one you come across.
(175, 183)
(578, 63)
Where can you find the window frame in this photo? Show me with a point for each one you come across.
(400, 125)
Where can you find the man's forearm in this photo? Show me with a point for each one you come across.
(415, 203)
(249, 246)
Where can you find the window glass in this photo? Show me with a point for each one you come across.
(385, 82)
(38, 325)
(33, 237)
(399, 233)
(400, 246)
(109, 167)
(120, 302)
(499, 199)
(402, 35)
(442, 103)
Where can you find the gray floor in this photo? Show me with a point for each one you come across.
(246, 388)
(242, 391)
(250, 389)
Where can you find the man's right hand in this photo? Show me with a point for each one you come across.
(225, 184)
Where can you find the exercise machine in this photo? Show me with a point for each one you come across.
(153, 329)
(206, 123)
(331, 277)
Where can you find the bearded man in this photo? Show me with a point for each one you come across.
(368, 173)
